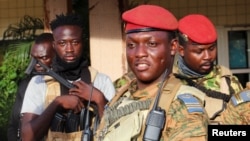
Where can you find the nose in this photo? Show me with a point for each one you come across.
(141, 51)
(38, 65)
(69, 47)
(207, 55)
(38, 68)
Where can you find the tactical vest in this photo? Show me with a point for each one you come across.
(132, 125)
(215, 106)
(53, 90)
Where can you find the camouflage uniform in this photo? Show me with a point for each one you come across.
(220, 79)
(180, 123)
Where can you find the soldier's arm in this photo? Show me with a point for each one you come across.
(186, 123)
(237, 111)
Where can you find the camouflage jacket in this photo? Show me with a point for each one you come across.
(219, 84)
(180, 124)
(212, 80)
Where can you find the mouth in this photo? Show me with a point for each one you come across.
(40, 70)
(141, 66)
(206, 66)
(69, 58)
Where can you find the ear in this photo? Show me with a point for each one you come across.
(174, 46)
(181, 50)
(53, 44)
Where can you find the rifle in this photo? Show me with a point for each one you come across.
(48, 71)
(73, 120)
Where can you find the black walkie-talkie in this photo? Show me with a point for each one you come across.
(156, 118)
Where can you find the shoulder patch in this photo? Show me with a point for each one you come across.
(241, 97)
(191, 102)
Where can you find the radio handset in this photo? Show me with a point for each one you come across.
(156, 118)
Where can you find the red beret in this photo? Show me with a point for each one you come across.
(198, 28)
(149, 16)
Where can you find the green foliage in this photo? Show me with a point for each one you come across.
(15, 61)
(26, 29)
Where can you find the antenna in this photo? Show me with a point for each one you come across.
(156, 118)
(159, 91)
(87, 133)
(166, 73)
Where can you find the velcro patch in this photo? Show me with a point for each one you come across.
(241, 97)
(191, 102)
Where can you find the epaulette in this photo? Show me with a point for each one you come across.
(191, 102)
(241, 97)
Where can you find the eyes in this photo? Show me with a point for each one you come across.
(63, 43)
(43, 58)
(150, 44)
(199, 50)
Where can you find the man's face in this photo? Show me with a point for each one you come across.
(148, 54)
(199, 58)
(44, 53)
(68, 42)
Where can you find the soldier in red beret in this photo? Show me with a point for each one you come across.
(150, 103)
(196, 65)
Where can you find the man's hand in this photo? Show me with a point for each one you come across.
(82, 90)
(70, 102)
